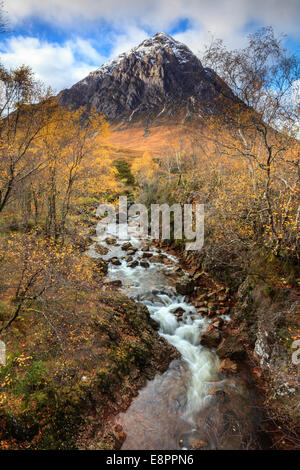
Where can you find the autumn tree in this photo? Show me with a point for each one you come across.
(146, 173)
(259, 127)
(73, 146)
(23, 115)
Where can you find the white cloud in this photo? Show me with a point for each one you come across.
(126, 24)
(57, 65)
(219, 16)
(130, 38)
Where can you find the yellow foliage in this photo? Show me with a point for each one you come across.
(145, 169)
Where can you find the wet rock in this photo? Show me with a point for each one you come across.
(126, 246)
(227, 367)
(129, 259)
(146, 248)
(133, 264)
(115, 261)
(147, 254)
(144, 264)
(243, 291)
(185, 286)
(155, 259)
(179, 312)
(132, 251)
(211, 339)
(231, 348)
(114, 283)
(110, 241)
(158, 259)
(154, 324)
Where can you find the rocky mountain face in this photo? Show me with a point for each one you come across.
(159, 79)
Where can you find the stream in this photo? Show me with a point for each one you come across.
(190, 406)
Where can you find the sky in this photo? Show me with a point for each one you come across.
(64, 40)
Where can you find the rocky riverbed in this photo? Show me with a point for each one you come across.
(206, 399)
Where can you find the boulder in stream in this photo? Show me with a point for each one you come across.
(133, 264)
(155, 259)
(144, 264)
(211, 338)
(147, 254)
(110, 241)
(179, 312)
(126, 246)
(115, 261)
(146, 248)
(132, 251)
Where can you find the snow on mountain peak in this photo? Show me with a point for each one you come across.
(159, 76)
(148, 47)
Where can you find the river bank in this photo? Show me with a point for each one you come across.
(151, 352)
(200, 402)
(249, 407)
(264, 311)
(79, 350)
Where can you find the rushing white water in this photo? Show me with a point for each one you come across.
(196, 372)
(180, 408)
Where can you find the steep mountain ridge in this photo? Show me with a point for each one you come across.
(161, 80)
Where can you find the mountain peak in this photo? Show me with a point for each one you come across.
(163, 41)
(160, 40)
(161, 35)
(159, 43)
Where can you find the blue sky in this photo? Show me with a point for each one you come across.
(63, 40)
